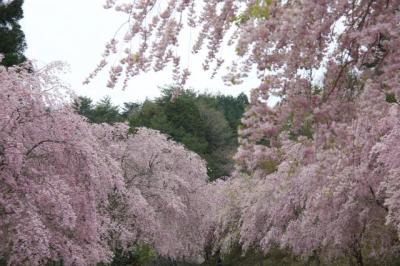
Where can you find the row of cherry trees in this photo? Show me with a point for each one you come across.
(317, 174)
(74, 192)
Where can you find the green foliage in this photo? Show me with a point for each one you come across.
(269, 166)
(231, 107)
(391, 97)
(252, 257)
(275, 256)
(137, 255)
(102, 112)
(128, 109)
(264, 142)
(83, 106)
(306, 128)
(12, 38)
(259, 10)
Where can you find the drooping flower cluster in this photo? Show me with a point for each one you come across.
(53, 177)
(323, 159)
(153, 35)
(173, 183)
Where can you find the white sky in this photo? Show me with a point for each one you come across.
(75, 31)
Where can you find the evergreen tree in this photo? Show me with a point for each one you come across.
(102, 112)
(83, 106)
(12, 38)
(128, 109)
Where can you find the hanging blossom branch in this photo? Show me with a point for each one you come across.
(155, 28)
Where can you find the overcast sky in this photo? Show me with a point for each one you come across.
(75, 31)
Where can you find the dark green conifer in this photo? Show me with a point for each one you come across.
(12, 38)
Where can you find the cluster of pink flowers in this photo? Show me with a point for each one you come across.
(154, 28)
(323, 161)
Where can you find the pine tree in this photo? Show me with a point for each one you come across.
(12, 38)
